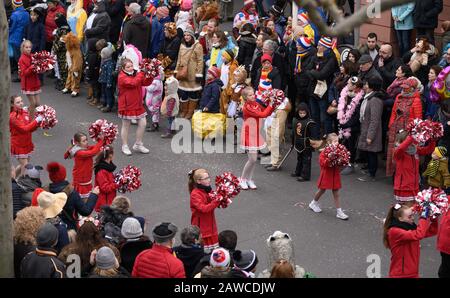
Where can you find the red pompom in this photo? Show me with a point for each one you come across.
(424, 130)
(49, 116)
(151, 67)
(108, 129)
(42, 61)
(128, 179)
(227, 187)
(336, 155)
(433, 198)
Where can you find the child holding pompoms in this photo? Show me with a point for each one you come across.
(29, 80)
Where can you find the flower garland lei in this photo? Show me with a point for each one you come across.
(344, 117)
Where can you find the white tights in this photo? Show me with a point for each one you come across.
(139, 131)
(249, 167)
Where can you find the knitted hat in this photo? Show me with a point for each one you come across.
(276, 11)
(304, 42)
(105, 258)
(220, 257)
(228, 54)
(33, 171)
(56, 172)
(266, 57)
(245, 259)
(365, 59)
(303, 17)
(248, 2)
(162, 12)
(52, 204)
(106, 52)
(186, 5)
(164, 232)
(189, 30)
(131, 228)
(326, 42)
(214, 72)
(440, 151)
(17, 3)
(47, 236)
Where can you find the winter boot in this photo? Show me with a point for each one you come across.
(90, 93)
(183, 109)
(94, 102)
(191, 108)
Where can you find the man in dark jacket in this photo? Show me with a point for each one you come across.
(367, 69)
(116, 12)
(137, 30)
(43, 263)
(269, 47)
(210, 101)
(101, 23)
(426, 13)
(190, 252)
(386, 64)
(75, 204)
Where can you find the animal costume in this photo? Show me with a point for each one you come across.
(74, 62)
(171, 102)
(59, 49)
(153, 98)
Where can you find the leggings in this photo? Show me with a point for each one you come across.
(249, 167)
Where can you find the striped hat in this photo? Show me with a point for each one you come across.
(304, 42)
(326, 42)
(303, 17)
(440, 151)
(17, 3)
(214, 72)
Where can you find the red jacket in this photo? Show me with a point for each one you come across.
(50, 24)
(252, 112)
(330, 178)
(21, 128)
(158, 262)
(130, 91)
(29, 80)
(415, 110)
(406, 181)
(202, 209)
(405, 248)
(443, 237)
(105, 181)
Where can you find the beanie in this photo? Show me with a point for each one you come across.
(326, 42)
(214, 72)
(17, 3)
(220, 257)
(248, 2)
(304, 42)
(162, 12)
(131, 228)
(303, 17)
(266, 57)
(105, 258)
(47, 236)
(56, 172)
(228, 54)
(189, 30)
(440, 151)
(36, 193)
(245, 259)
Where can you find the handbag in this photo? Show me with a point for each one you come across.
(321, 88)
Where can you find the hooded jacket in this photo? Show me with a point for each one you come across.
(137, 32)
(211, 95)
(35, 32)
(190, 255)
(158, 262)
(104, 179)
(17, 24)
(171, 103)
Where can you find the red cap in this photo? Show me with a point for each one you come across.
(266, 57)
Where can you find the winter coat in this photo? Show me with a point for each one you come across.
(74, 55)
(113, 216)
(29, 185)
(158, 262)
(106, 73)
(405, 247)
(20, 251)
(277, 61)
(202, 209)
(74, 205)
(76, 17)
(431, 108)
(17, 23)
(372, 72)
(101, 24)
(247, 46)
(387, 72)
(21, 128)
(92, 63)
(35, 32)
(50, 24)
(121, 273)
(443, 236)
(19, 201)
(426, 13)
(323, 69)
(301, 141)
(211, 95)
(404, 13)
(42, 264)
(192, 58)
(442, 177)
(29, 80)
(116, 12)
(330, 177)
(130, 93)
(130, 249)
(137, 32)
(157, 35)
(371, 124)
(302, 80)
(273, 76)
(407, 176)
(215, 272)
(170, 48)
(104, 179)
(415, 110)
(252, 112)
(190, 255)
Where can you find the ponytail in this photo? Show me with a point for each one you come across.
(193, 177)
(394, 213)
(76, 139)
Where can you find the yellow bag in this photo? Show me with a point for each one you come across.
(208, 125)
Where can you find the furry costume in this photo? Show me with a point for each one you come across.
(74, 62)
(206, 12)
(281, 247)
(59, 49)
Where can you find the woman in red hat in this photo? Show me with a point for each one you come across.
(21, 128)
(83, 155)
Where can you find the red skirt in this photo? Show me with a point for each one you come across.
(22, 152)
(133, 114)
(211, 242)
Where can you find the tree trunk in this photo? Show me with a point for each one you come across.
(6, 218)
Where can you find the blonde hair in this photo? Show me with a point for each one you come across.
(331, 137)
(194, 175)
(282, 269)
(26, 225)
(124, 62)
(121, 203)
(106, 272)
(22, 45)
(246, 91)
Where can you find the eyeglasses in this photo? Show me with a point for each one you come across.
(206, 178)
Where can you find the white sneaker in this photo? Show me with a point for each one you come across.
(140, 148)
(341, 215)
(126, 150)
(243, 184)
(65, 90)
(315, 206)
(251, 184)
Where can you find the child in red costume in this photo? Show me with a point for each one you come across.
(104, 177)
(443, 244)
(202, 207)
(406, 158)
(402, 237)
(83, 155)
(29, 80)
(251, 139)
(330, 178)
(21, 128)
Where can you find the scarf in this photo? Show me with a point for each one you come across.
(125, 19)
(345, 111)
(103, 165)
(402, 225)
(298, 63)
(208, 189)
(432, 168)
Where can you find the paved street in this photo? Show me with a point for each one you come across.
(324, 245)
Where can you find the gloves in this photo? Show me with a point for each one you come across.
(425, 213)
(39, 119)
(75, 74)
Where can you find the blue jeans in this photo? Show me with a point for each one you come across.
(404, 41)
(107, 96)
(318, 109)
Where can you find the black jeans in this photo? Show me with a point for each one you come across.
(444, 269)
(372, 163)
(351, 145)
(303, 168)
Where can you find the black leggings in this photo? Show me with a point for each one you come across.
(303, 168)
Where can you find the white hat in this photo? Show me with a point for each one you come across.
(52, 204)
